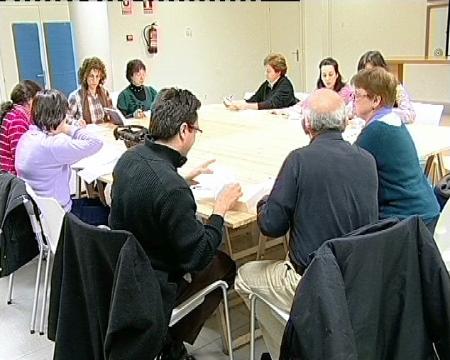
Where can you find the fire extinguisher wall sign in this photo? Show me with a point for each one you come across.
(151, 38)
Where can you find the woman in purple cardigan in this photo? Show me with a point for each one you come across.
(47, 150)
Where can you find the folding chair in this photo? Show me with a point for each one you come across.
(51, 218)
(197, 299)
(277, 312)
(42, 249)
(91, 240)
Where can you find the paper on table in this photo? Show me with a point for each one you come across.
(89, 174)
(209, 185)
(252, 194)
(100, 163)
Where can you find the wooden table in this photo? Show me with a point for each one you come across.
(396, 65)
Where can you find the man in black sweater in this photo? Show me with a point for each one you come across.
(323, 190)
(152, 201)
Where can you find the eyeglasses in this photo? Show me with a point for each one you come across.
(196, 128)
(357, 96)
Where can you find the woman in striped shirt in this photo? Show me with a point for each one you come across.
(15, 119)
(88, 101)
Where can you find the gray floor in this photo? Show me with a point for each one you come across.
(16, 342)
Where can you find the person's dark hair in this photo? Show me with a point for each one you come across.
(372, 57)
(20, 94)
(49, 109)
(93, 63)
(134, 66)
(172, 108)
(339, 84)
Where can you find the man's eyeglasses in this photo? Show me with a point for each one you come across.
(196, 128)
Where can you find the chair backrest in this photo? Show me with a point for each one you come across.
(103, 290)
(301, 95)
(114, 96)
(442, 234)
(385, 271)
(51, 217)
(429, 114)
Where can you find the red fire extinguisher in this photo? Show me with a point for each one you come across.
(151, 38)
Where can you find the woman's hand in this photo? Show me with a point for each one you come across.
(138, 114)
(63, 128)
(237, 105)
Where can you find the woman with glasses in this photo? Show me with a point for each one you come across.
(274, 93)
(402, 105)
(86, 104)
(136, 97)
(403, 189)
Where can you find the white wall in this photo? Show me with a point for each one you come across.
(224, 55)
(395, 27)
(229, 41)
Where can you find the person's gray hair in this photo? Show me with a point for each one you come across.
(325, 121)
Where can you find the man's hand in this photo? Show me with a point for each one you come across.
(201, 169)
(227, 198)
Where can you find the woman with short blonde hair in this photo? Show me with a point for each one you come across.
(274, 93)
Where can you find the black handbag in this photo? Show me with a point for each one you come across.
(130, 134)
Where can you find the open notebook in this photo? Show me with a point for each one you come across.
(116, 116)
(210, 185)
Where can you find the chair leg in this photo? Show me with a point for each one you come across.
(10, 288)
(261, 247)
(227, 321)
(252, 327)
(36, 290)
(44, 296)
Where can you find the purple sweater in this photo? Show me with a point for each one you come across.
(44, 160)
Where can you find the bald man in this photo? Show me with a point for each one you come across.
(323, 191)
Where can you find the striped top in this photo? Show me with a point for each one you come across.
(14, 125)
(75, 111)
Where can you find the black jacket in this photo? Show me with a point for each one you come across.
(106, 301)
(18, 243)
(381, 293)
(281, 95)
(153, 202)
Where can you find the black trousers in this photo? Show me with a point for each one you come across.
(222, 267)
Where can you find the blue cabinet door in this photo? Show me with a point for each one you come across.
(28, 52)
(60, 56)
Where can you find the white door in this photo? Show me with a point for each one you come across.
(285, 29)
